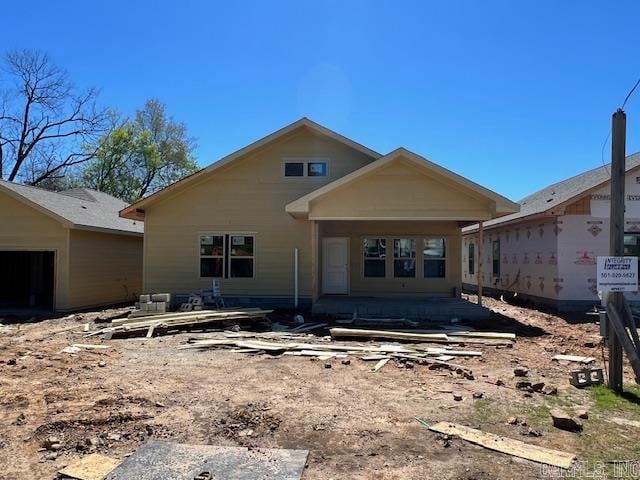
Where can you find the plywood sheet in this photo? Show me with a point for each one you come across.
(91, 467)
(174, 461)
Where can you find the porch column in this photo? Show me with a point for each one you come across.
(480, 257)
(314, 260)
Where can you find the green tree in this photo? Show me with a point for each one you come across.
(141, 156)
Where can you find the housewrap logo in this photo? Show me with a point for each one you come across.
(617, 263)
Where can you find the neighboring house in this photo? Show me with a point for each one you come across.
(66, 250)
(361, 223)
(547, 252)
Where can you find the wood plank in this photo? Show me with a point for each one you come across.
(573, 358)
(308, 328)
(380, 364)
(183, 315)
(506, 445)
(357, 332)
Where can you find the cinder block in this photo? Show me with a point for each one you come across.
(145, 298)
(160, 307)
(161, 297)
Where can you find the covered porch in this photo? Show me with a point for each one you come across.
(386, 239)
(431, 309)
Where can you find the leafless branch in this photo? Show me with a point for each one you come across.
(45, 123)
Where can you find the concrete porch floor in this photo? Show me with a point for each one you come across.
(436, 309)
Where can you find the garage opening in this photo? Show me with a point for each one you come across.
(26, 279)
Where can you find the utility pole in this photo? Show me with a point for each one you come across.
(616, 238)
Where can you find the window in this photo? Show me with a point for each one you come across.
(495, 255)
(317, 169)
(294, 169)
(434, 258)
(472, 258)
(404, 257)
(241, 256)
(632, 244)
(375, 257)
(212, 255)
(227, 256)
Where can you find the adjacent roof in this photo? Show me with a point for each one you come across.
(561, 193)
(136, 210)
(502, 205)
(80, 208)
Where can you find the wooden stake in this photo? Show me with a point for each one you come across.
(616, 237)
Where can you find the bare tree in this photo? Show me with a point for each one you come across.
(46, 124)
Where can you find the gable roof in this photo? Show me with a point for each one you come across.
(79, 208)
(136, 210)
(503, 205)
(560, 193)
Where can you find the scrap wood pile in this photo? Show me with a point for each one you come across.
(180, 320)
(299, 344)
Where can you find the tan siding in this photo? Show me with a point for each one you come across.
(399, 190)
(104, 268)
(249, 195)
(357, 231)
(25, 228)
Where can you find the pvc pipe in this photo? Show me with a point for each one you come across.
(295, 278)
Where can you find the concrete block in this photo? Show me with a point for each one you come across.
(160, 307)
(161, 297)
(145, 298)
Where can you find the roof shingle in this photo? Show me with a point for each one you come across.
(82, 207)
(558, 193)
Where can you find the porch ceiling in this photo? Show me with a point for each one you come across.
(401, 186)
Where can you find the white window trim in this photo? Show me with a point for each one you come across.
(385, 260)
(226, 265)
(414, 258)
(445, 258)
(305, 167)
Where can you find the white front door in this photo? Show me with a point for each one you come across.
(335, 265)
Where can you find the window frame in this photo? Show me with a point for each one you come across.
(226, 263)
(439, 259)
(201, 256)
(495, 261)
(377, 259)
(284, 169)
(414, 258)
(305, 168)
(242, 257)
(471, 260)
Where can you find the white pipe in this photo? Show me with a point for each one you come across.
(295, 278)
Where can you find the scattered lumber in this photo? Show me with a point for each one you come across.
(238, 342)
(387, 334)
(151, 324)
(445, 337)
(573, 358)
(506, 445)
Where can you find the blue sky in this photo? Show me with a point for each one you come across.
(512, 94)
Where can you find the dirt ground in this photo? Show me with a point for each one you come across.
(356, 424)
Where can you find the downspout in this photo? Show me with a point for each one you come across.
(295, 278)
